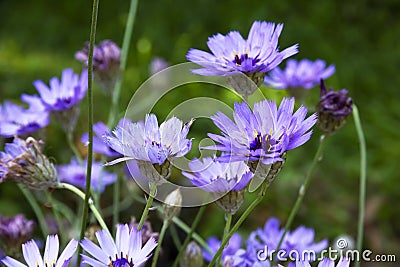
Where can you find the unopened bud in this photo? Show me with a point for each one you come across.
(172, 204)
(192, 257)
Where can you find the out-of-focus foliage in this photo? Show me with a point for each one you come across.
(39, 38)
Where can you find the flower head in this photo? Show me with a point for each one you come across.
(106, 61)
(14, 231)
(231, 54)
(158, 64)
(234, 244)
(263, 134)
(333, 109)
(16, 120)
(75, 173)
(33, 257)
(299, 74)
(24, 162)
(127, 249)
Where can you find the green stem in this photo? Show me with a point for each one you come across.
(90, 121)
(153, 189)
(72, 146)
(36, 209)
(363, 179)
(195, 236)
(124, 58)
(91, 205)
(175, 236)
(228, 220)
(159, 242)
(303, 188)
(116, 203)
(56, 216)
(189, 235)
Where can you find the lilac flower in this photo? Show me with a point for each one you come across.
(343, 262)
(263, 134)
(14, 231)
(33, 257)
(24, 162)
(65, 93)
(75, 173)
(333, 109)
(234, 244)
(151, 145)
(16, 120)
(127, 249)
(158, 64)
(226, 181)
(106, 61)
(99, 146)
(231, 54)
(299, 74)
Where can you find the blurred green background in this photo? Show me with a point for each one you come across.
(39, 38)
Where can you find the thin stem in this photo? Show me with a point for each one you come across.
(159, 242)
(363, 179)
(153, 189)
(36, 209)
(175, 236)
(189, 235)
(124, 58)
(90, 132)
(116, 203)
(303, 188)
(56, 216)
(72, 146)
(195, 236)
(228, 220)
(245, 214)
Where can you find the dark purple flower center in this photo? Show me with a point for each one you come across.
(121, 262)
(256, 143)
(238, 60)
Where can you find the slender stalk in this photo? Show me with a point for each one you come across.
(175, 236)
(116, 203)
(73, 147)
(56, 216)
(124, 58)
(303, 188)
(90, 120)
(159, 242)
(153, 189)
(36, 209)
(228, 220)
(91, 205)
(363, 179)
(189, 235)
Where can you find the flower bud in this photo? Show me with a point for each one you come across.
(172, 204)
(232, 201)
(246, 85)
(24, 162)
(155, 173)
(333, 109)
(192, 257)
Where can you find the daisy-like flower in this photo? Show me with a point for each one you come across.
(299, 74)
(75, 173)
(14, 231)
(232, 54)
(262, 135)
(226, 181)
(235, 244)
(16, 120)
(127, 249)
(152, 146)
(33, 257)
(343, 262)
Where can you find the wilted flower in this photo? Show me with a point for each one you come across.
(262, 135)
(299, 75)
(63, 96)
(333, 109)
(75, 173)
(152, 146)
(33, 257)
(232, 55)
(227, 181)
(16, 120)
(24, 162)
(127, 249)
(192, 257)
(106, 61)
(14, 231)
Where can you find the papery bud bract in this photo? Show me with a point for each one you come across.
(172, 204)
(192, 257)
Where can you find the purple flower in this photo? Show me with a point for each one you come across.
(75, 173)
(33, 257)
(127, 249)
(14, 231)
(333, 108)
(263, 134)
(231, 54)
(99, 146)
(16, 120)
(234, 244)
(106, 61)
(65, 93)
(24, 162)
(158, 64)
(299, 74)
(343, 262)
